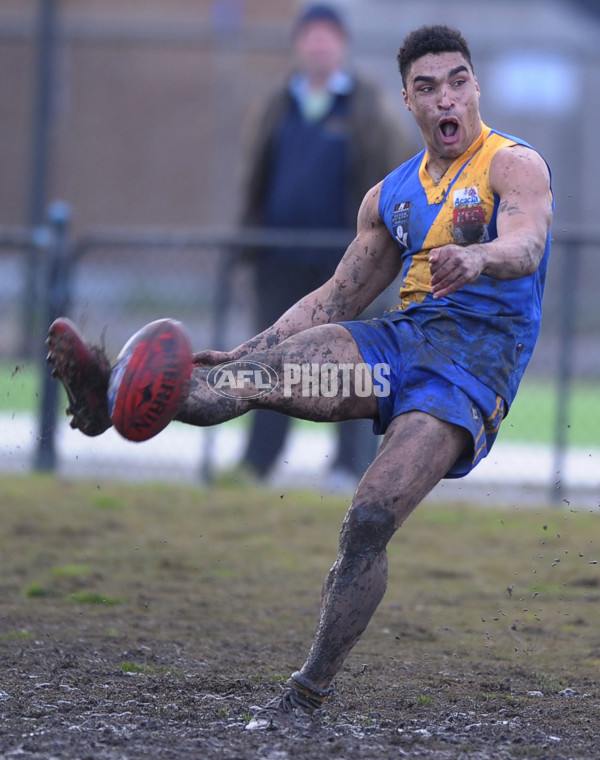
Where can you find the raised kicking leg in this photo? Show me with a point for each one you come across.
(417, 451)
(329, 346)
(84, 371)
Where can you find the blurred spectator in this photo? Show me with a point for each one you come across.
(322, 139)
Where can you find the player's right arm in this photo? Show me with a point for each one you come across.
(370, 264)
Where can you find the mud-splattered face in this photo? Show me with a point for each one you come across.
(442, 93)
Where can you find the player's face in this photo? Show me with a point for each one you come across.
(320, 49)
(443, 95)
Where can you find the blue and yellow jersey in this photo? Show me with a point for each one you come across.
(488, 327)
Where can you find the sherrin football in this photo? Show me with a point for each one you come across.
(150, 379)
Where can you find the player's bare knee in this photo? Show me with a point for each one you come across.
(367, 529)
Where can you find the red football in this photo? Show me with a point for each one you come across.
(150, 379)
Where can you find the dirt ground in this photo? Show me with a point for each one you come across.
(73, 702)
(120, 641)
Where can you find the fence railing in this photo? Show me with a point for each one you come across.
(60, 256)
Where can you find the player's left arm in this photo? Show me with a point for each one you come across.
(521, 179)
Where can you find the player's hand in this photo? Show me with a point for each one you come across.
(453, 266)
(210, 358)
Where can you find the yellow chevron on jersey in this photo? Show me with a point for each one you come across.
(464, 202)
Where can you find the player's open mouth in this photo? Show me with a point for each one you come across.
(449, 129)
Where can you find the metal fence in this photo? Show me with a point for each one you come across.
(114, 281)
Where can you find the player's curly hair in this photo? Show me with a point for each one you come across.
(436, 38)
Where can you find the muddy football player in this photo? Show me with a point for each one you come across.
(466, 225)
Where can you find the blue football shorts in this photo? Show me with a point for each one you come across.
(422, 378)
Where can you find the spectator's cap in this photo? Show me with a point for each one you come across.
(320, 12)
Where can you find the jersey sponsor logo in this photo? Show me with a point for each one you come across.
(466, 196)
(469, 217)
(400, 221)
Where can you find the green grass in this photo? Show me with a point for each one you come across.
(201, 564)
(532, 419)
(71, 571)
(93, 597)
(35, 590)
(19, 387)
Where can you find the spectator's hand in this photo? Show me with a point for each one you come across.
(453, 266)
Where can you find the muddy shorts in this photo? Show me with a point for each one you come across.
(422, 378)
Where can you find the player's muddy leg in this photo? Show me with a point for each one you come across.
(327, 346)
(84, 372)
(417, 452)
(204, 407)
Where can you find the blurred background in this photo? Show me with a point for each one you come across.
(121, 130)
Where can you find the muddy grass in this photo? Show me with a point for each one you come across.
(146, 623)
